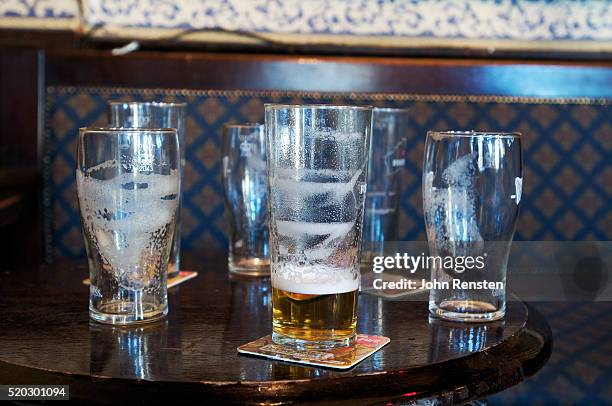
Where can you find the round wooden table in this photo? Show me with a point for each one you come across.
(46, 338)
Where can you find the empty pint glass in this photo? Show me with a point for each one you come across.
(387, 159)
(243, 156)
(317, 171)
(156, 115)
(128, 191)
(472, 185)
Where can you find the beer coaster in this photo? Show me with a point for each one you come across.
(338, 358)
(182, 276)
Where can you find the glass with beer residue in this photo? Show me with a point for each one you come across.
(128, 191)
(317, 172)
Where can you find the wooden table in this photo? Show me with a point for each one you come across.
(47, 338)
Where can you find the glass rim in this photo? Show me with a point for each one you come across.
(278, 106)
(146, 103)
(391, 109)
(242, 125)
(474, 134)
(113, 130)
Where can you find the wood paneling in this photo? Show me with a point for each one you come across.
(21, 101)
(20, 109)
(325, 73)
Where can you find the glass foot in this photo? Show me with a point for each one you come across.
(466, 311)
(250, 266)
(115, 313)
(296, 343)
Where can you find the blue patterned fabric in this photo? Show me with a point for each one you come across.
(457, 19)
(579, 371)
(567, 157)
(514, 20)
(49, 9)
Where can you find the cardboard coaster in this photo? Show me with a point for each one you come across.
(182, 276)
(338, 358)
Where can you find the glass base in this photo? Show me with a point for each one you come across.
(466, 311)
(173, 269)
(250, 266)
(296, 343)
(114, 313)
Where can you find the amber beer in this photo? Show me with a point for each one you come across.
(317, 170)
(315, 305)
(331, 317)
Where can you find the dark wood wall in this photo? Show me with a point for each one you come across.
(331, 74)
(21, 120)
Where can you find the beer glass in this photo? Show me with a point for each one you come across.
(387, 158)
(246, 197)
(317, 171)
(156, 115)
(472, 185)
(128, 192)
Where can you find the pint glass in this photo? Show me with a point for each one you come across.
(387, 159)
(317, 171)
(128, 191)
(156, 115)
(243, 156)
(472, 185)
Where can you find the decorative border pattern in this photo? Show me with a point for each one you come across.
(327, 95)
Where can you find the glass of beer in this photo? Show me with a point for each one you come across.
(128, 192)
(472, 186)
(317, 160)
(245, 186)
(156, 115)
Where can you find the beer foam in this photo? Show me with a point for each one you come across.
(314, 279)
(124, 215)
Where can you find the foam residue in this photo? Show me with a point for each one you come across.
(336, 136)
(302, 233)
(315, 214)
(450, 211)
(128, 217)
(296, 187)
(460, 173)
(296, 228)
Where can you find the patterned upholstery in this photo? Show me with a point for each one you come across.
(567, 149)
(579, 371)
